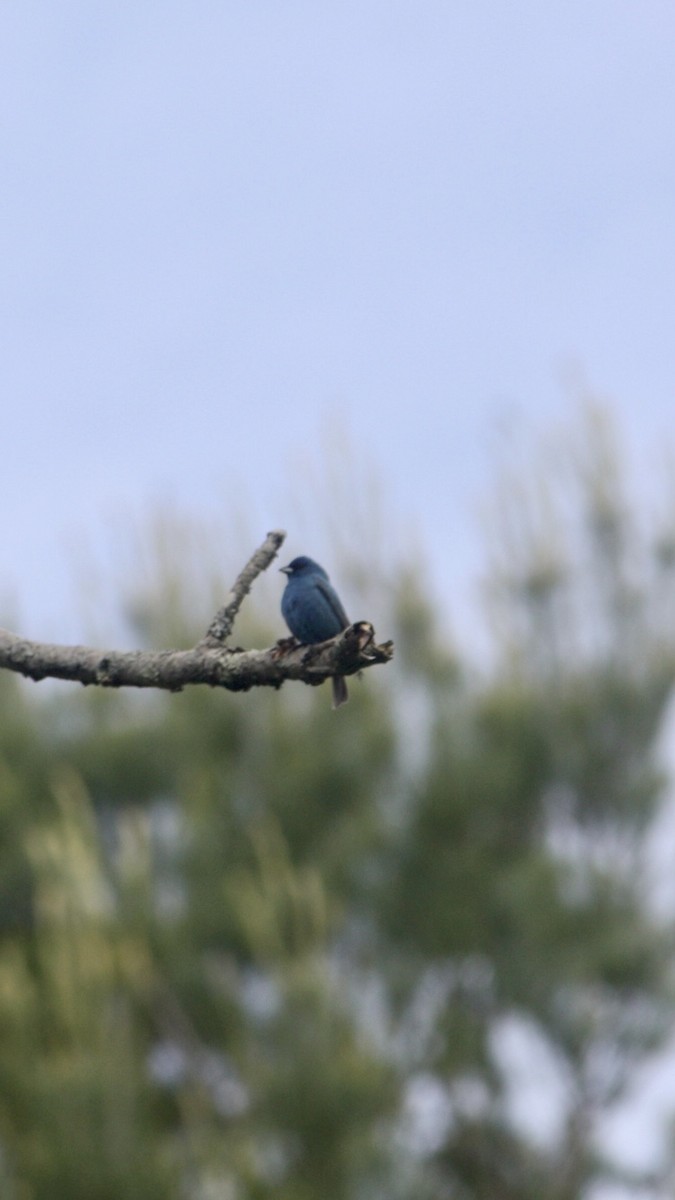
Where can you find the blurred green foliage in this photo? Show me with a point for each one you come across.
(251, 948)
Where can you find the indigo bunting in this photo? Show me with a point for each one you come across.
(312, 610)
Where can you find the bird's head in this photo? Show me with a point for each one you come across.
(302, 566)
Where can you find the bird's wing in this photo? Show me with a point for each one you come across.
(331, 597)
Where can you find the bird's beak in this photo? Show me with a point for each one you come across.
(285, 570)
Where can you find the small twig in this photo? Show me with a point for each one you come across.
(221, 626)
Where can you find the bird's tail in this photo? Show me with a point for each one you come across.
(340, 693)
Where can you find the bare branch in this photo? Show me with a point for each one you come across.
(237, 670)
(208, 662)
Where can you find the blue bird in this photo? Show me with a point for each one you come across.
(312, 610)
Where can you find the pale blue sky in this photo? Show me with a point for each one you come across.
(225, 225)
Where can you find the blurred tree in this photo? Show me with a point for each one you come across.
(252, 949)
